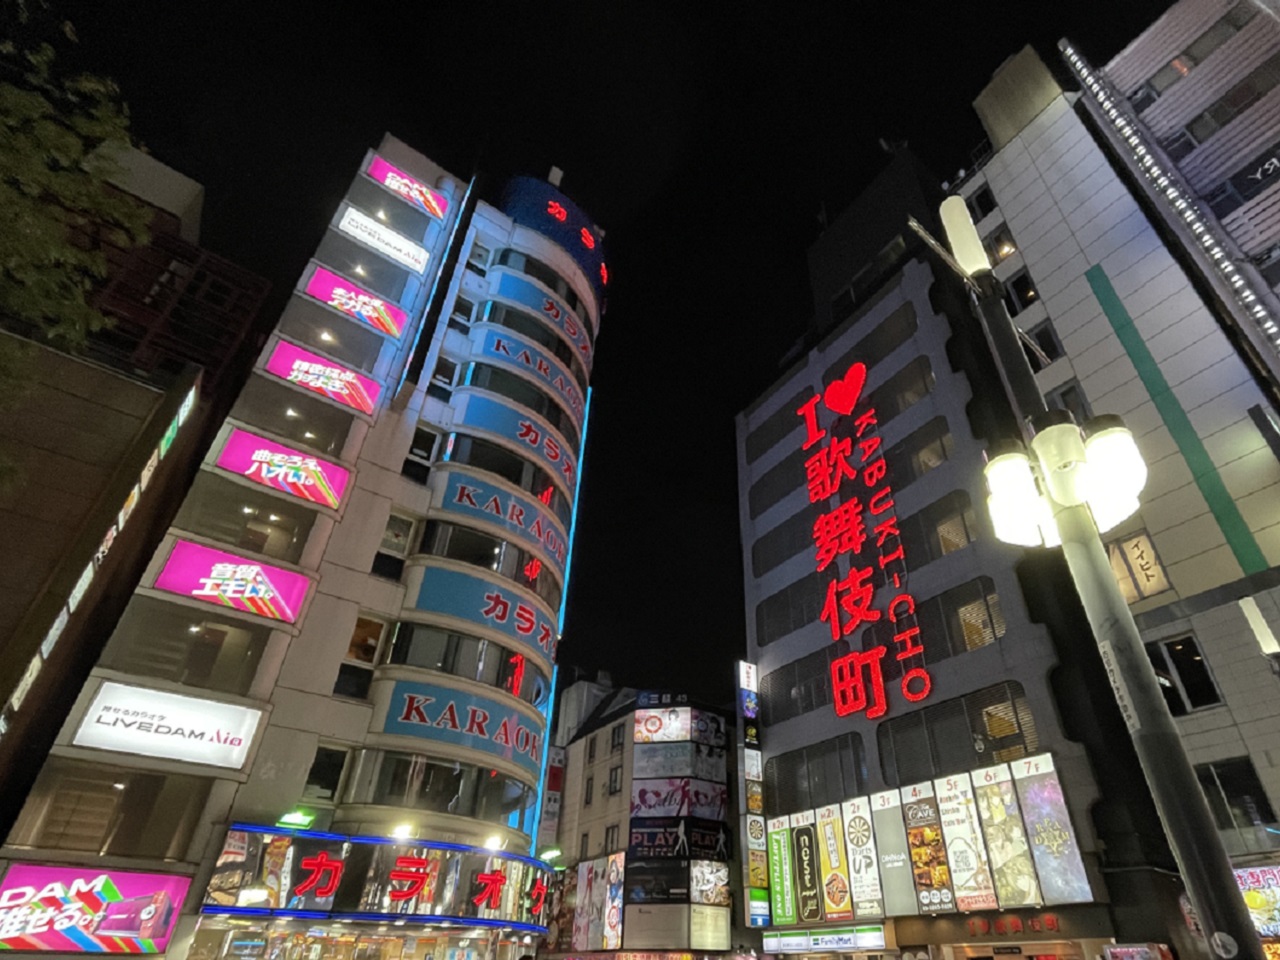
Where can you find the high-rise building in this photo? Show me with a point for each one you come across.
(320, 724)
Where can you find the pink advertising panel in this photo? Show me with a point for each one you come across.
(283, 468)
(419, 194)
(210, 575)
(332, 290)
(88, 909)
(322, 376)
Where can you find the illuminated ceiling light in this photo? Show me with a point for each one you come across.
(248, 511)
(326, 336)
(494, 842)
(194, 628)
(117, 785)
(291, 413)
(359, 270)
(403, 831)
(273, 518)
(382, 214)
(308, 435)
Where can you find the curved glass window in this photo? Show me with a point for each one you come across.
(467, 545)
(549, 279)
(435, 648)
(486, 455)
(531, 328)
(519, 390)
(446, 786)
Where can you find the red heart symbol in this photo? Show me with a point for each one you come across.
(843, 395)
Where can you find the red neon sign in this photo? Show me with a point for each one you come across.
(588, 240)
(857, 518)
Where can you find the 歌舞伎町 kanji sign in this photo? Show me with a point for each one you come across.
(847, 473)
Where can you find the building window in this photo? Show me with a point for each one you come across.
(325, 776)
(798, 687)
(531, 328)
(1235, 101)
(584, 846)
(388, 562)
(549, 278)
(417, 466)
(246, 517)
(520, 391)
(999, 244)
(776, 427)
(778, 482)
(611, 838)
(617, 737)
(903, 390)
(891, 333)
(983, 728)
(445, 786)
(355, 674)
(1019, 293)
(463, 311)
(615, 780)
(1178, 145)
(591, 749)
(794, 606)
(1235, 794)
(1046, 340)
(981, 203)
(1071, 398)
(588, 792)
(790, 537)
(816, 775)
(462, 655)
(466, 545)
(1224, 198)
(1183, 676)
(925, 448)
(442, 380)
(485, 455)
(966, 617)
(943, 527)
(478, 258)
(1195, 53)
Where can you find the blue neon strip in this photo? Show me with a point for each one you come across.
(215, 910)
(389, 841)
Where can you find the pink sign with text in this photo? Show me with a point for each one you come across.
(419, 194)
(203, 573)
(283, 468)
(322, 376)
(332, 290)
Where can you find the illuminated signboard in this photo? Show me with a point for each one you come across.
(1053, 842)
(848, 476)
(860, 843)
(345, 297)
(507, 350)
(88, 909)
(548, 447)
(315, 373)
(383, 239)
(212, 576)
(927, 849)
(429, 201)
(1006, 838)
(836, 902)
(263, 870)
(1260, 887)
(538, 205)
(152, 723)
(487, 604)
(296, 473)
(679, 797)
(966, 853)
(524, 517)
(671, 724)
(782, 898)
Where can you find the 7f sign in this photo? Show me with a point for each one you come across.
(847, 474)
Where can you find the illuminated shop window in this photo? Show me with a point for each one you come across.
(397, 537)
(498, 460)
(963, 618)
(484, 550)
(101, 810)
(1000, 245)
(461, 655)
(388, 209)
(422, 452)
(246, 517)
(293, 416)
(169, 641)
(535, 330)
(988, 726)
(1183, 675)
(324, 779)
(1046, 339)
(355, 674)
(831, 771)
(376, 274)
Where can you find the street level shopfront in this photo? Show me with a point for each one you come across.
(1078, 932)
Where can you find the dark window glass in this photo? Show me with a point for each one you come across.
(378, 202)
(1071, 398)
(776, 483)
(436, 648)
(492, 553)
(611, 838)
(792, 536)
(1019, 293)
(386, 566)
(588, 792)
(246, 517)
(779, 424)
(325, 775)
(1183, 677)
(521, 391)
(1142, 98)
(981, 203)
(827, 772)
(924, 449)
(548, 278)
(903, 390)
(352, 682)
(1046, 340)
(791, 608)
(292, 416)
(446, 786)
(531, 328)
(372, 271)
(1235, 793)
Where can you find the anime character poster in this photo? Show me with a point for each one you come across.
(615, 869)
(1008, 849)
(1053, 841)
(966, 853)
(582, 908)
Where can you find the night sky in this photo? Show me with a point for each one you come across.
(703, 137)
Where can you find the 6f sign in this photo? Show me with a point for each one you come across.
(848, 475)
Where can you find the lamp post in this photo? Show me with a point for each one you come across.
(1073, 484)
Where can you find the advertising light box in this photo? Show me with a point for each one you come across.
(152, 723)
(88, 909)
(273, 465)
(782, 897)
(429, 201)
(1053, 841)
(383, 239)
(666, 725)
(226, 580)
(357, 303)
(1006, 838)
(709, 927)
(313, 372)
(966, 853)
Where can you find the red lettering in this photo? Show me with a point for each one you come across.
(910, 644)
(494, 506)
(874, 473)
(886, 529)
(413, 712)
(810, 413)
(464, 495)
(884, 496)
(516, 514)
(865, 422)
(476, 719)
(503, 734)
(500, 346)
(449, 718)
(906, 598)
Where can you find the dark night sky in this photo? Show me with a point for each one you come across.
(703, 137)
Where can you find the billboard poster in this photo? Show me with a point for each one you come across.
(657, 881)
(1008, 849)
(860, 848)
(663, 725)
(755, 797)
(282, 468)
(525, 518)
(757, 869)
(88, 909)
(755, 832)
(653, 837)
(152, 723)
(582, 910)
(662, 760)
(667, 797)
(966, 853)
(613, 901)
(710, 800)
(489, 604)
(560, 929)
(710, 763)
(345, 297)
(709, 883)
(707, 727)
(709, 927)
(782, 898)
(1260, 887)
(223, 579)
(928, 851)
(446, 715)
(836, 901)
(319, 375)
(1053, 841)
(753, 764)
(896, 879)
(552, 798)
(418, 194)
(804, 845)
(599, 897)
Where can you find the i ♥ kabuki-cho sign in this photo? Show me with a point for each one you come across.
(847, 474)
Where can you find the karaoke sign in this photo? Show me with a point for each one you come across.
(847, 473)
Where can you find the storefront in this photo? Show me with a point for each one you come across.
(303, 895)
(1077, 932)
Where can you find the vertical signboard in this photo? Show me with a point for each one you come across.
(927, 848)
(613, 901)
(966, 853)
(782, 898)
(804, 841)
(836, 901)
(1053, 842)
(860, 843)
(1008, 849)
(895, 860)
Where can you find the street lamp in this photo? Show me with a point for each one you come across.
(1061, 484)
